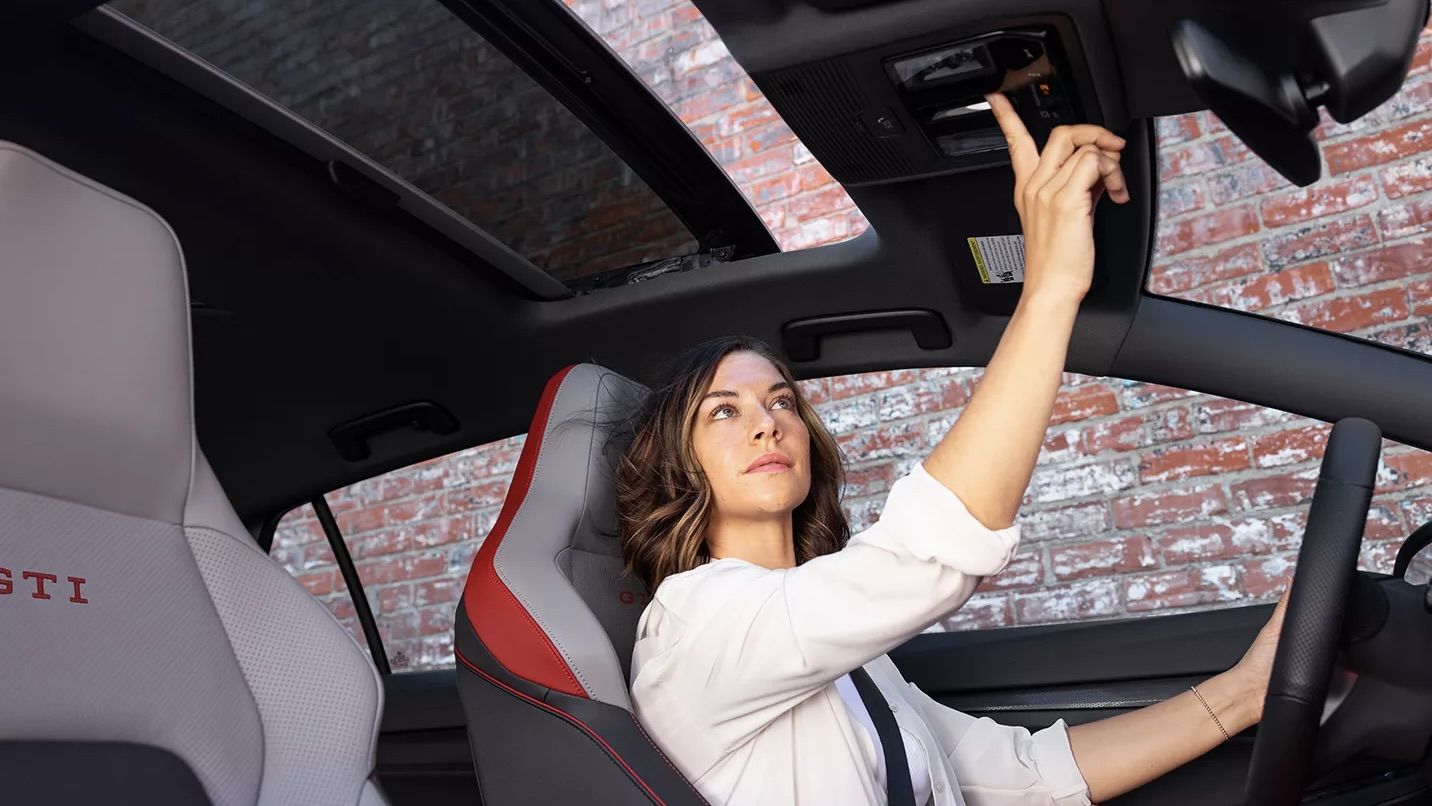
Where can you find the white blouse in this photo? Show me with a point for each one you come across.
(914, 752)
(735, 667)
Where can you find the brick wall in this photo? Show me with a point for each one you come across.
(1146, 500)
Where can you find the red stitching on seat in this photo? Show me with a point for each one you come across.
(571, 719)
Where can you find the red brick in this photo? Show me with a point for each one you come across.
(478, 496)
(1184, 588)
(1417, 511)
(1078, 600)
(1179, 199)
(1171, 277)
(1322, 199)
(435, 620)
(1274, 492)
(1025, 570)
(1353, 313)
(1416, 337)
(414, 509)
(815, 177)
(438, 532)
(1078, 521)
(979, 612)
(1403, 471)
(1407, 178)
(378, 544)
(1167, 506)
(884, 441)
(1267, 577)
(863, 382)
(1137, 395)
(1317, 240)
(1062, 482)
(775, 187)
(1215, 414)
(1405, 219)
(1290, 285)
(910, 400)
(1291, 446)
(1083, 402)
(1185, 461)
(357, 521)
(1101, 557)
(815, 390)
(1386, 263)
(1168, 425)
(1244, 181)
(747, 170)
(1200, 157)
(1420, 292)
(317, 554)
(393, 598)
(1123, 434)
(1214, 541)
(869, 479)
(813, 204)
(437, 591)
(1378, 555)
(1206, 229)
(1174, 129)
(398, 626)
(318, 583)
(1385, 145)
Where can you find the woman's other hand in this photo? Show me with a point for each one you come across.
(1256, 666)
(1055, 192)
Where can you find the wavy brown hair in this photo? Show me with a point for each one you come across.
(663, 498)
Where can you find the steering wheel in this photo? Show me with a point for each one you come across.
(1313, 623)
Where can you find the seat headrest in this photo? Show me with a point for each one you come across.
(547, 595)
(95, 395)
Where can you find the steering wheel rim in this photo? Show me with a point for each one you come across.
(1313, 623)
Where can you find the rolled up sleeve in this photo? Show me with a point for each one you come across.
(1006, 765)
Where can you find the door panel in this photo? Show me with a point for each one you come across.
(1081, 672)
(423, 754)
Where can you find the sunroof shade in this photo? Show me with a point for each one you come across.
(412, 87)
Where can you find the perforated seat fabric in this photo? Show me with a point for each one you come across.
(547, 619)
(135, 609)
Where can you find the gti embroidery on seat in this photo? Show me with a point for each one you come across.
(39, 578)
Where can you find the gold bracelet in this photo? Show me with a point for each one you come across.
(1210, 712)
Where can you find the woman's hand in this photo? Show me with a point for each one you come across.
(1256, 666)
(1055, 192)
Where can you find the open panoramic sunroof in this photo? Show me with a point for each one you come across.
(418, 91)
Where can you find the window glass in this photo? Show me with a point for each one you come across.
(1348, 254)
(680, 57)
(1146, 500)
(412, 87)
(412, 533)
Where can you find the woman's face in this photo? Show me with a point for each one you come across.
(750, 440)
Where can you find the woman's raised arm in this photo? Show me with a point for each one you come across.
(988, 455)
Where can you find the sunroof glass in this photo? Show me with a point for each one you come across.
(412, 87)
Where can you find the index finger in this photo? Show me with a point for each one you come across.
(1023, 153)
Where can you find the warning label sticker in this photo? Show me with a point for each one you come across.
(1000, 258)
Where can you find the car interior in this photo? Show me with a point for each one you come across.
(212, 311)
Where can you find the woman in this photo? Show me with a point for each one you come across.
(728, 504)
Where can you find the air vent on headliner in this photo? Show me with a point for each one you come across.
(822, 104)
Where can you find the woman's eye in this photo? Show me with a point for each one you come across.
(723, 412)
(784, 403)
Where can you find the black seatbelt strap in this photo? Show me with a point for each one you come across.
(899, 790)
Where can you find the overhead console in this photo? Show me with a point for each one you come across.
(917, 108)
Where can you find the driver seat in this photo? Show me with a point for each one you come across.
(545, 628)
(150, 651)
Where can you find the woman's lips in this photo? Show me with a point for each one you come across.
(772, 462)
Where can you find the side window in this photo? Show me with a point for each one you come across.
(412, 534)
(1146, 499)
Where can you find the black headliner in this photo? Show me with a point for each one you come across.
(314, 309)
